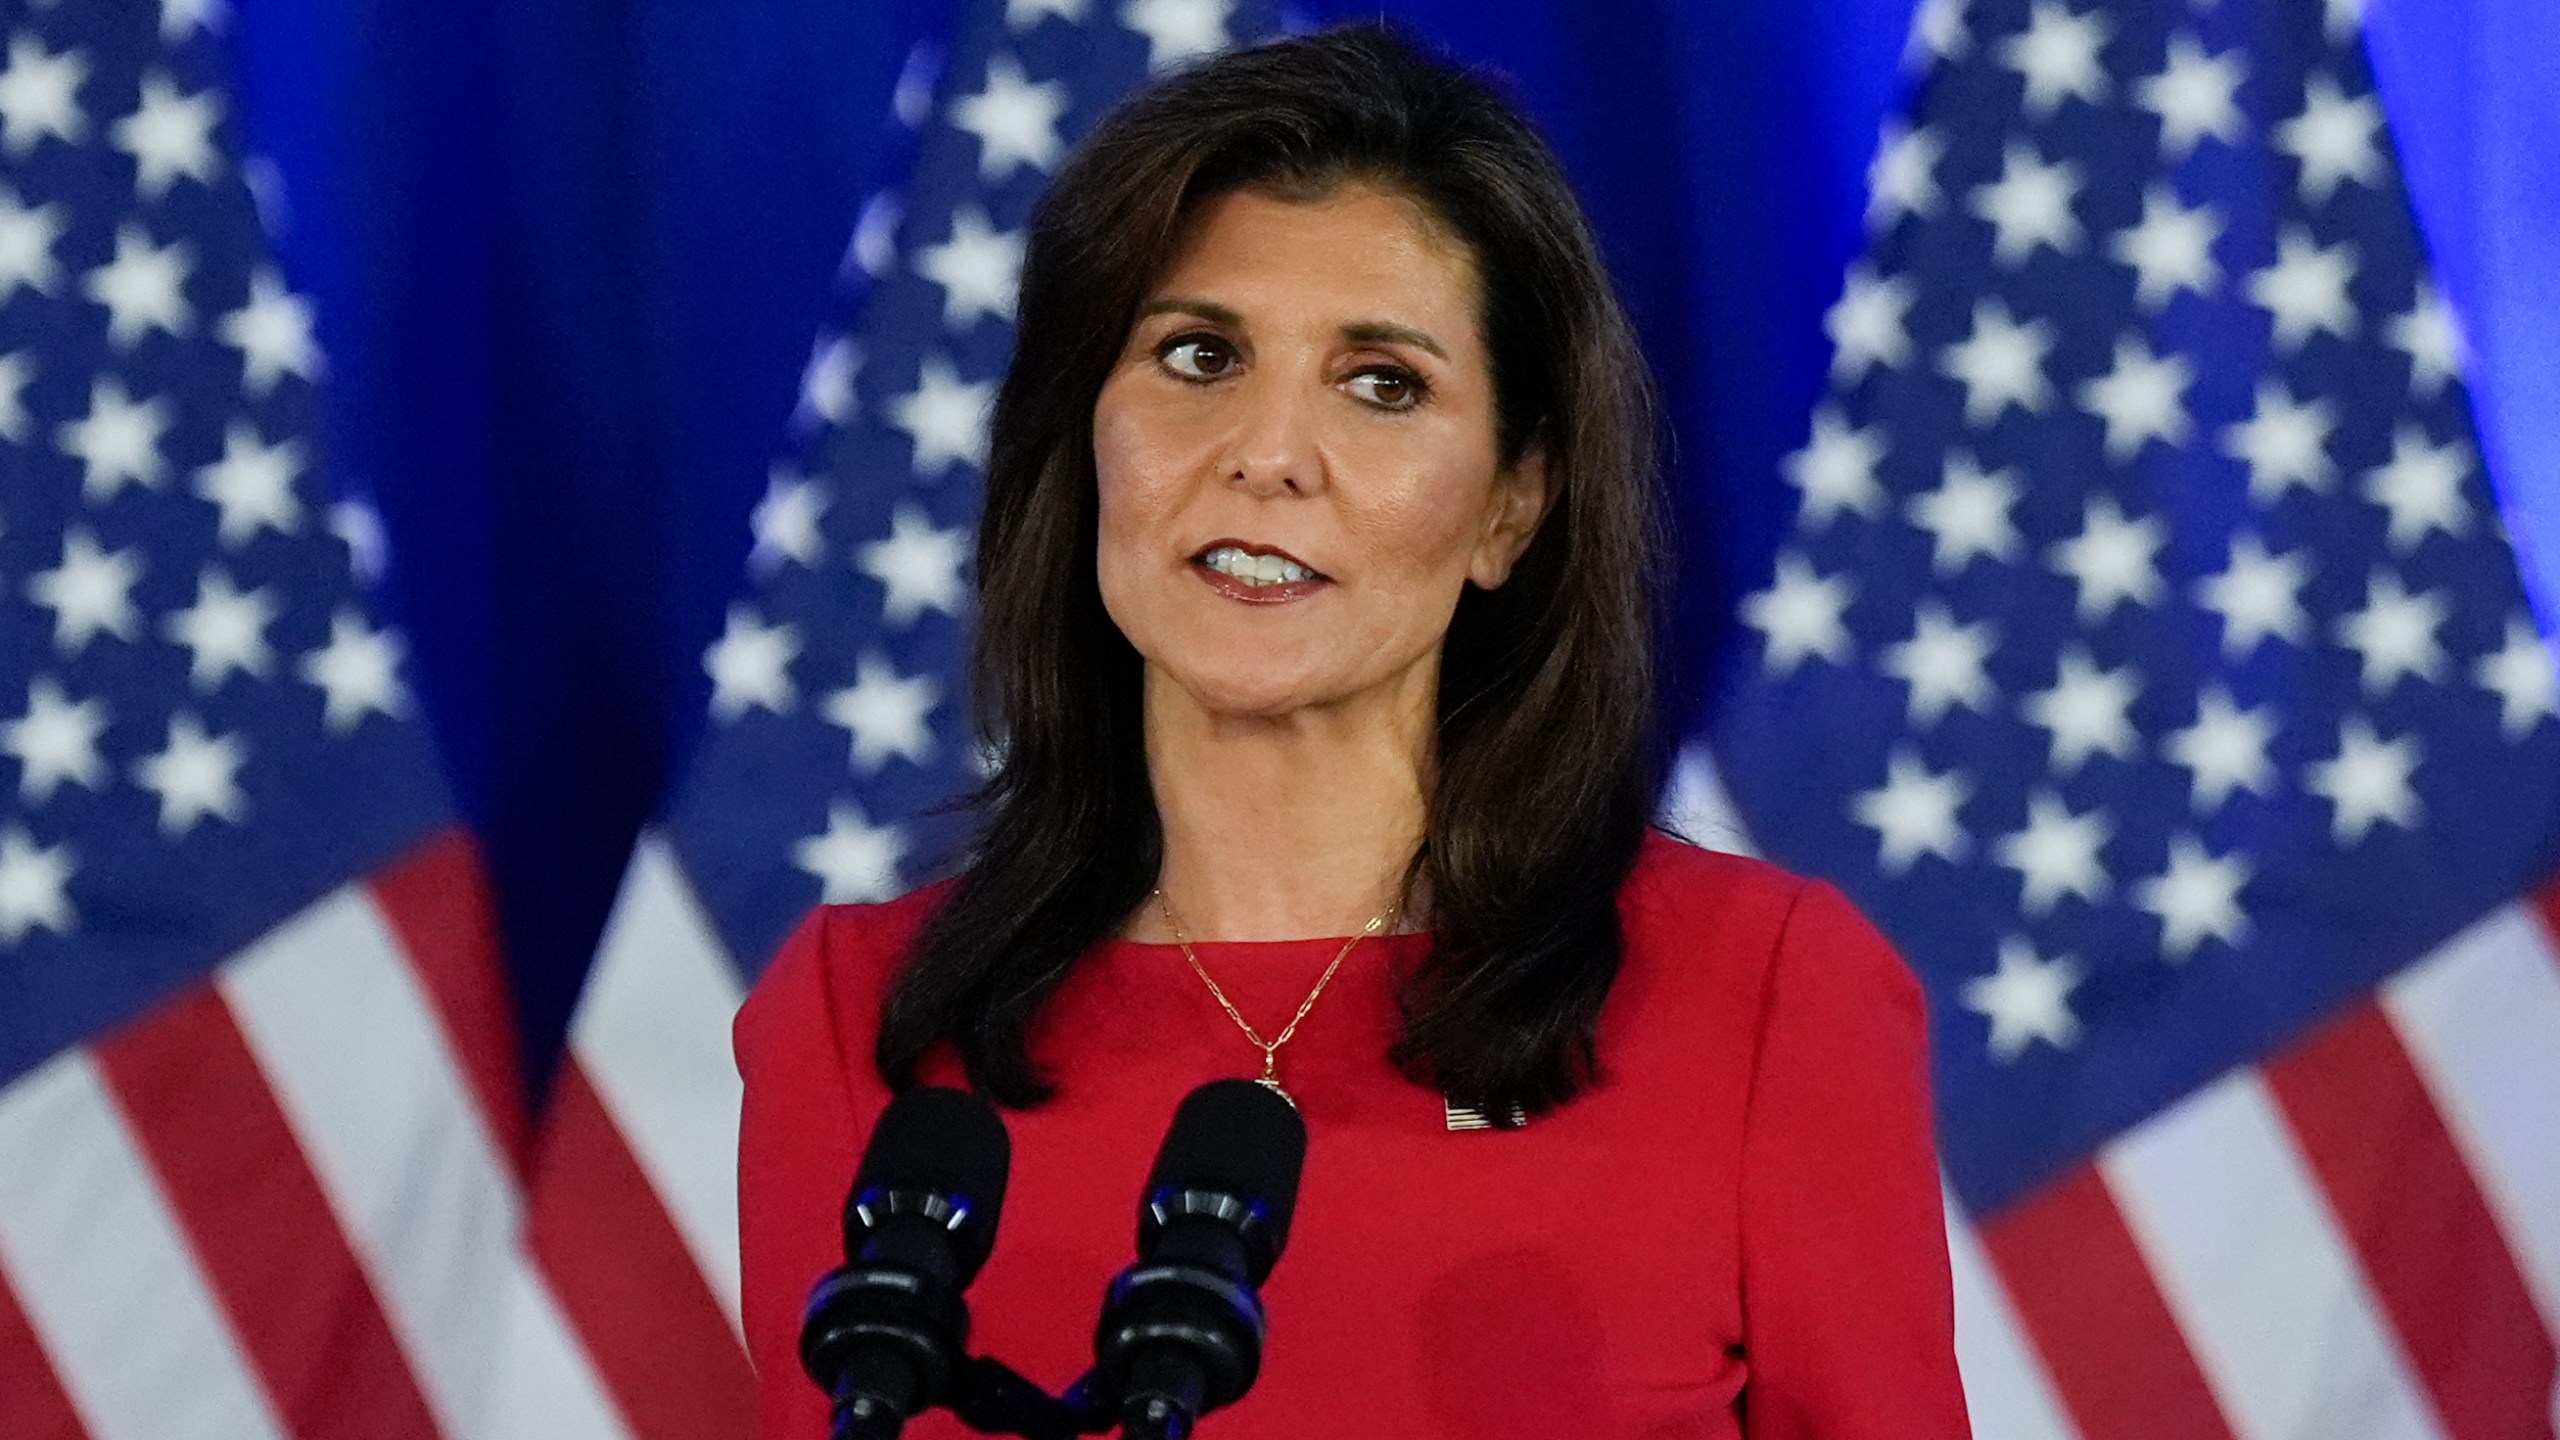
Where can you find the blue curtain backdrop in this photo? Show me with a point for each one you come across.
(570, 255)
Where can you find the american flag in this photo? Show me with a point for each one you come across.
(837, 737)
(261, 1135)
(2150, 661)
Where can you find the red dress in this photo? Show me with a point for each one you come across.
(1737, 1232)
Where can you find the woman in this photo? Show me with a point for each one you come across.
(1313, 586)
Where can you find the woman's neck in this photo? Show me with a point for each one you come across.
(1283, 828)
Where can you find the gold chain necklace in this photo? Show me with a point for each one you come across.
(1269, 1079)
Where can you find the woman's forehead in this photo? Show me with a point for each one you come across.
(1355, 243)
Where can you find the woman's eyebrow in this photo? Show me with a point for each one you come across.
(1387, 332)
(1209, 310)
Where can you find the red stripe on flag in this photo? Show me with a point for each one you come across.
(2430, 1246)
(627, 1283)
(437, 901)
(237, 1182)
(31, 1397)
(2087, 1300)
(2546, 903)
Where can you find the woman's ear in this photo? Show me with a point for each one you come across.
(1519, 502)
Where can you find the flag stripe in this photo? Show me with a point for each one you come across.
(2482, 1020)
(350, 1041)
(652, 1036)
(436, 900)
(2428, 1243)
(2071, 1269)
(2005, 1389)
(666, 1349)
(37, 1409)
(109, 1284)
(2232, 1223)
(240, 1188)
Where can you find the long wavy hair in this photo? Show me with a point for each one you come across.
(1545, 752)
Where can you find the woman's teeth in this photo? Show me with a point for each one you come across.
(1256, 569)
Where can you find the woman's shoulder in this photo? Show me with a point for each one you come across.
(1687, 898)
(833, 972)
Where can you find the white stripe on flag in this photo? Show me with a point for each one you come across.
(351, 1045)
(106, 1277)
(652, 1032)
(2481, 1018)
(2251, 1262)
(2005, 1386)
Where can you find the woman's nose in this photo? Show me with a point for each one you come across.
(1274, 451)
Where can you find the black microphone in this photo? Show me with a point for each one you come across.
(1181, 1332)
(886, 1333)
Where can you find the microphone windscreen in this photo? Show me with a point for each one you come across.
(948, 1142)
(1237, 1138)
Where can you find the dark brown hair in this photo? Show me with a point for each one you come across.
(1545, 753)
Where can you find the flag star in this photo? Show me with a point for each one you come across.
(273, 333)
(855, 862)
(39, 96)
(2000, 364)
(2113, 559)
(56, 740)
(2367, 782)
(2194, 97)
(90, 594)
(2285, 444)
(1943, 663)
(2197, 898)
(225, 630)
(358, 673)
(2057, 854)
(2026, 1000)
(2058, 56)
(1914, 813)
(2342, 20)
(1800, 615)
(168, 135)
(1903, 178)
(826, 385)
(2522, 676)
(2306, 289)
(2086, 711)
(917, 565)
(34, 884)
(2030, 205)
(2395, 633)
(117, 443)
(2334, 137)
(2258, 596)
(1867, 325)
(27, 238)
(1968, 514)
(2225, 750)
(2421, 485)
(885, 714)
(17, 372)
(979, 269)
(1938, 31)
(143, 288)
(1836, 469)
(252, 485)
(357, 525)
(945, 417)
(1016, 122)
(2171, 249)
(2427, 334)
(750, 666)
(182, 18)
(785, 522)
(1023, 14)
(1178, 31)
(2142, 399)
(196, 776)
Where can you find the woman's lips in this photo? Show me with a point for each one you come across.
(1256, 574)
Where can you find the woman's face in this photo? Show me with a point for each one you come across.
(1297, 458)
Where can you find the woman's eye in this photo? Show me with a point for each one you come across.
(1197, 357)
(1389, 387)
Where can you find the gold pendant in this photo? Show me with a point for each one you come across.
(1269, 1079)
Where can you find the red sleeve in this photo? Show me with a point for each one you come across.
(798, 1141)
(1848, 1314)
